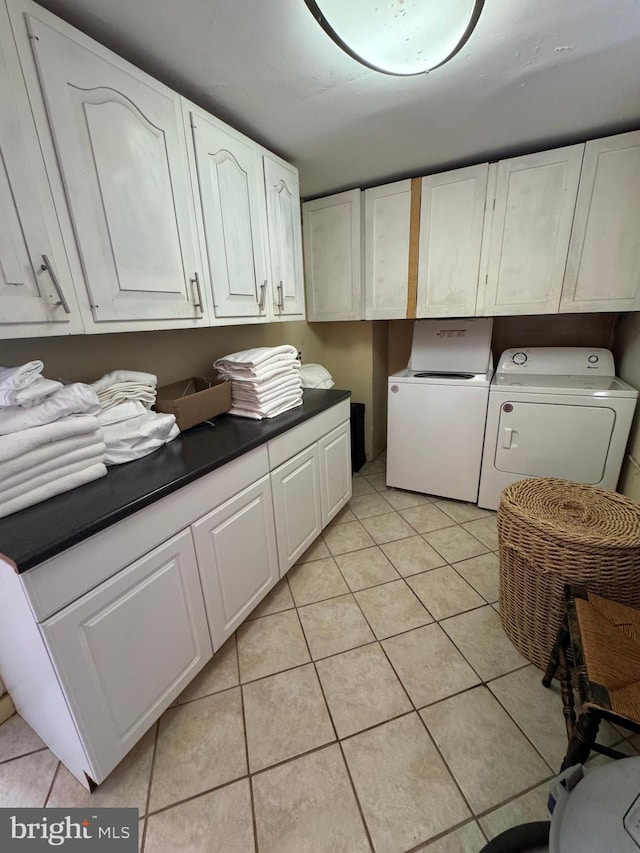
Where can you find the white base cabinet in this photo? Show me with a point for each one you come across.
(236, 550)
(98, 641)
(296, 498)
(124, 651)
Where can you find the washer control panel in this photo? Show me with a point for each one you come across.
(558, 361)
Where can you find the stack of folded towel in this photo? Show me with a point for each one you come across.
(130, 430)
(265, 381)
(50, 439)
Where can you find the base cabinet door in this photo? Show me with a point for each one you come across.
(237, 556)
(124, 651)
(603, 268)
(334, 456)
(296, 504)
(285, 237)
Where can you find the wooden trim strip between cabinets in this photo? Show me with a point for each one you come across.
(414, 240)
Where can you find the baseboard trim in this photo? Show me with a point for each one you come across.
(7, 708)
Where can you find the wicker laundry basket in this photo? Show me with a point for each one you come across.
(553, 532)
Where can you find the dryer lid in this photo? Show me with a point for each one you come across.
(452, 346)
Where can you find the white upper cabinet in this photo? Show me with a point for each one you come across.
(451, 219)
(285, 237)
(229, 168)
(387, 220)
(121, 148)
(603, 268)
(36, 291)
(333, 257)
(526, 236)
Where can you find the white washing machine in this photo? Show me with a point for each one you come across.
(555, 412)
(437, 409)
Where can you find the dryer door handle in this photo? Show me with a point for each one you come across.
(507, 436)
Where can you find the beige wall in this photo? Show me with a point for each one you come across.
(627, 354)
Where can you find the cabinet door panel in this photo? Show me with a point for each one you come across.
(451, 220)
(236, 550)
(530, 228)
(285, 237)
(387, 217)
(334, 456)
(125, 650)
(230, 182)
(121, 148)
(28, 223)
(332, 257)
(603, 268)
(296, 504)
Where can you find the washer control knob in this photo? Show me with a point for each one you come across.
(394, 389)
(519, 358)
(593, 359)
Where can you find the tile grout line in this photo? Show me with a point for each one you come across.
(22, 754)
(53, 779)
(246, 753)
(335, 731)
(151, 772)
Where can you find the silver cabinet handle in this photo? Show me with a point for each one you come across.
(198, 303)
(46, 267)
(263, 288)
(280, 289)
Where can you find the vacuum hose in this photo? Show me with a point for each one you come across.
(526, 838)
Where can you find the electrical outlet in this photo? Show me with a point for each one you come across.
(299, 356)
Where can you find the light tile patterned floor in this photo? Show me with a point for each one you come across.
(371, 703)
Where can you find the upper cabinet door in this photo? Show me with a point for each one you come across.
(387, 220)
(121, 148)
(36, 290)
(230, 180)
(451, 219)
(528, 232)
(285, 237)
(603, 268)
(333, 257)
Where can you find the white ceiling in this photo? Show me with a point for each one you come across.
(534, 74)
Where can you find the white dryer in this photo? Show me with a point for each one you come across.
(555, 412)
(437, 409)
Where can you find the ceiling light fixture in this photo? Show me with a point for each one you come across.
(401, 37)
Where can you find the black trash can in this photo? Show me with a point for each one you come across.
(358, 457)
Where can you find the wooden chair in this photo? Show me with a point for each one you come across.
(598, 650)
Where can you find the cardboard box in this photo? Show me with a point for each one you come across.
(194, 400)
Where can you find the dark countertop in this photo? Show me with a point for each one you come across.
(40, 532)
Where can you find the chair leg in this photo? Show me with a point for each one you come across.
(562, 641)
(583, 738)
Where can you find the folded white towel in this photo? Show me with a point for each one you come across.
(121, 412)
(75, 399)
(259, 398)
(117, 377)
(36, 392)
(18, 443)
(261, 374)
(289, 377)
(24, 470)
(35, 479)
(126, 392)
(136, 437)
(56, 487)
(47, 452)
(315, 376)
(270, 410)
(24, 385)
(252, 358)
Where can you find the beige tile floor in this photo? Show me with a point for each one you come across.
(371, 703)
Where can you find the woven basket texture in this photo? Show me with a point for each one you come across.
(552, 532)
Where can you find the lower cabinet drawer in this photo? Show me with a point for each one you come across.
(124, 651)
